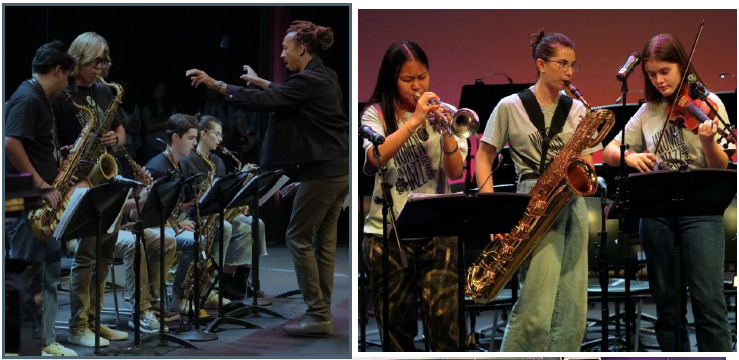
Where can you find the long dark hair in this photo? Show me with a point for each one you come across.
(663, 47)
(386, 89)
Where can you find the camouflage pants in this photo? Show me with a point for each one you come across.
(432, 276)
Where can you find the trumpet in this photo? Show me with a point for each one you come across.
(463, 122)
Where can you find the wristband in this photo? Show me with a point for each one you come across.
(451, 152)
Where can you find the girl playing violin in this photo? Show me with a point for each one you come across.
(663, 63)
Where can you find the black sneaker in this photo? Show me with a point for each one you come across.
(230, 290)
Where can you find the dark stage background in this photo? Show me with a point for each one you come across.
(153, 44)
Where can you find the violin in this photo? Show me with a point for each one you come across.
(692, 111)
(689, 112)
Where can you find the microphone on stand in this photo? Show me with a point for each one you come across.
(628, 67)
(127, 182)
(371, 135)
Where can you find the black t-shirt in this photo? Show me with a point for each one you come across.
(29, 117)
(194, 164)
(159, 166)
(71, 121)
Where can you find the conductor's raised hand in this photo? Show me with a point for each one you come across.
(199, 77)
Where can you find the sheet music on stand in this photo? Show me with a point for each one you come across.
(207, 191)
(74, 202)
(282, 180)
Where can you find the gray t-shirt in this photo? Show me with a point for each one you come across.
(509, 123)
(416, 168)
(679, 146)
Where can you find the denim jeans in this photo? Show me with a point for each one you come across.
(702, 239)
(185, 242)
(125, 248)
(311, 239)
(45, 255)
(551, 310)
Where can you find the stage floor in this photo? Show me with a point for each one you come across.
(484, 320)
(277, 276)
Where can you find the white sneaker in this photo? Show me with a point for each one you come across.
(56, 349)
(149, 323)
(85, 338)
(212, 301)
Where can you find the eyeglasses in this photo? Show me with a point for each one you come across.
(564, 65)
(215, 133)
(100, 61)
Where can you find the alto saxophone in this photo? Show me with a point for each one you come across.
(148, 180)
(87, 160)
(568, 175)
(233, 213)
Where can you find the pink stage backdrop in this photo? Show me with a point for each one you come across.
(463, 45)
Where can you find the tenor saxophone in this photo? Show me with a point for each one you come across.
(87, 160)
(566, 177)
(208, 234)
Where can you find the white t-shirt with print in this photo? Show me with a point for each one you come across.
(509, 123)
(680, 147)
(416, 168)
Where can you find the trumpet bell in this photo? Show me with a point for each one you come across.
(465, 123)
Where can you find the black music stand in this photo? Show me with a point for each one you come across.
(672, 193)
(214, 202)
(254, 194)
(163, 197)
(483, 98)
(97, 209)
(191, 192)
(426, 216)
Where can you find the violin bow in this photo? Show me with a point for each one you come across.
(679, 89)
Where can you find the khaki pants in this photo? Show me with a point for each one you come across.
(83, 275)
(311, 238)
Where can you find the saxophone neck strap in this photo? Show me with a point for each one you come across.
(536, 116)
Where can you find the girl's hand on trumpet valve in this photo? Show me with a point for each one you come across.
(422, 109)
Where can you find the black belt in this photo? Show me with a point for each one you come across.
(529, 176)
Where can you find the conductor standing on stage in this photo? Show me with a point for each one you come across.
(308, 128)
